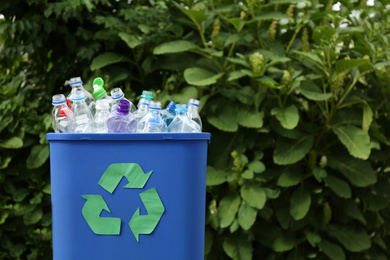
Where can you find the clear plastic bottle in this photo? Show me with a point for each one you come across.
(152, 122)
(101, 116)
(143, 109)
(82, 113)
(182, 122)
(77, 84)
(122, 120)
(168, 114)
(61, 116)
(193, 111)
(116, 96)
(99, 93)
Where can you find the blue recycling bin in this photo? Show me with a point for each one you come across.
(128, 196)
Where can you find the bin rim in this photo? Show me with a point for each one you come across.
(126, 136)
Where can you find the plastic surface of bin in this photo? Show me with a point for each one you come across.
(178, 162)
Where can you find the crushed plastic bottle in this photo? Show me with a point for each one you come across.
(122, 120)
(182, 122)
(152, 122)
(62, 116)
(77, 84)
(101, 116)
(168, 114)
(192, 108)
(83, 117)
(143, 109)
(116, 96)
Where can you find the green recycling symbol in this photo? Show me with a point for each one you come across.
(139, 224)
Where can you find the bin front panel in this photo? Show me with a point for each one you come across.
(179, 177)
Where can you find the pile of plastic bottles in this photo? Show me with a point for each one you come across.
(83, 112)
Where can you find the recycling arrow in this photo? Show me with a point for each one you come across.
(145, 224)
(116, 171)
(92, 208)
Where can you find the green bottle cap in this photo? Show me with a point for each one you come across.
(98, 92)
(98, 81)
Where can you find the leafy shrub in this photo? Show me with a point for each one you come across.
(295, 94)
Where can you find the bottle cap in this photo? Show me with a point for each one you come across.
(147, 95)
(116, 93)
(123, 106)
(193, 102)
(171, 107)
(181, 108)
(156, 105)
(98, 81)
(98, 92)
(75, 81)
(78, 95)
(102, 104)
(58, 99)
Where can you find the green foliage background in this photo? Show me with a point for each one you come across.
(296, 97)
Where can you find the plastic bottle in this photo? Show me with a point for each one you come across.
(182, 122)
(101, 116)
(147, 95)
(168, 114)
(122, 120)
(152, 122)
(192, 108)
(98, 93)
(77, 84)
(61, 116)
(143, 109)
(116, 96)
(82, 114)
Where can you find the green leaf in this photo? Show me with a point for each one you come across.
(352, 210)
(228, 208)
(333, 251)
(360, 173)
(131, 40)
(33, 217)
(221, 116)
(238, 23)
(289, 178)
(313, 239)
(174, 47)
(105, 59)
(272, 194)
(344, 66)
(355, 140)
(270, 16)
(322, 35)
(254, 195)
(313, 58)
(340, 187)
(238, 248)
(284, 243)
(17, 250)
(12, 143)
(353, 240)
(291, 151)
(246, 216)
(319, 174)
(4, 162)
(185, 94)
(38, 156)
(197, 16)
(256, 166)
(215, 177)
(311, 91)
(201, 77)
(367, 117)
(236, 75)
(300, 203)
(249, 118)
(47, 189)
(288, 116)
